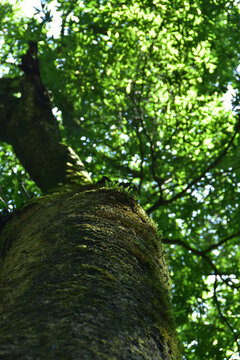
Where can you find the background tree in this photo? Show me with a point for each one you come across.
(137, 89)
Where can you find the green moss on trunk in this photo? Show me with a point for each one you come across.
(84, 277)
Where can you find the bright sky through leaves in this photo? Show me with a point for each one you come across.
(140, 92)
(29, 6)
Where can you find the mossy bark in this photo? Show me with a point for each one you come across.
(28, 124)
(84, 277)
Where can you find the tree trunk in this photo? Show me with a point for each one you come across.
(84, 277)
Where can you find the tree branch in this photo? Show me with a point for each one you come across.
(27, 123)
(161, 201)
(215, 246)
(203, 256)
(224, 319)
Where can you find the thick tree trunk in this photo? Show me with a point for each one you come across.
(84, 277)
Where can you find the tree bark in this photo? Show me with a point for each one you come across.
(84, 277)
(83, 274)
(28, 124)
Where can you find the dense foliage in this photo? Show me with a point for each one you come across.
(137, 87)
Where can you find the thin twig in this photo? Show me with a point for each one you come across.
(203, 256)
(160, 201)
(224, 319)
(215, 246)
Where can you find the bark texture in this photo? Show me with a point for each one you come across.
(84, 277)
(28, 124)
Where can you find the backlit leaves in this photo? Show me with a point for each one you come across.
(138, 86)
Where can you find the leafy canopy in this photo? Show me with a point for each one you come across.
(137, 88)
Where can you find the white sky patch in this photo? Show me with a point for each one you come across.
(227, 98)
(28, 7)
(29, 10)
(55, 26)
(124, 137)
